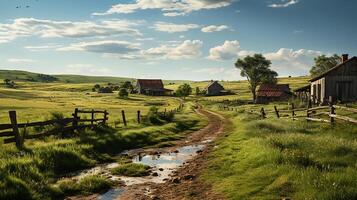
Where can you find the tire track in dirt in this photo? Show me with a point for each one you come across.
(184, 183)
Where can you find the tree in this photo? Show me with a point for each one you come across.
(324, 63)
(257, 71)
(105, 90)
(127, 85)
(184, 90)
(123, 93)
(198, 91)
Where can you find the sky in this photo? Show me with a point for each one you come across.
(172, 39)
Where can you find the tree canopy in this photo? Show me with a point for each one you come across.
(323, 63)
(184, 90)
(257, 70)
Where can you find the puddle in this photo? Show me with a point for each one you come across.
(162, 166)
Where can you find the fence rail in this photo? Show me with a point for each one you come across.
(12, 134)
(311, 113)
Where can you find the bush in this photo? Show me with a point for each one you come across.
(132, 170)
(157, 118)
(123, 93)
(105, 90)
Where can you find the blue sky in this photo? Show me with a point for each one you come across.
(171, 39)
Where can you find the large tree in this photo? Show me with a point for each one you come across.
(257, 70)
(324, 63)
(184, 90)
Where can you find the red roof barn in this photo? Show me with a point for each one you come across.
(273, 92)
(154, 87)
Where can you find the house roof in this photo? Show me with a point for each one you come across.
(214, 83)
(333, 69)
(303, 88)
(273, 90)
(151, 83)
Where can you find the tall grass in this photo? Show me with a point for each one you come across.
(272, 159)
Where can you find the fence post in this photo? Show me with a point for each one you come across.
(276, 112)
(293, 110)
(123, 116)
(15, 128)
(263, 113)
(105, 116)
(92, 121)
(75, 119)
(332, 110)
(139, 119)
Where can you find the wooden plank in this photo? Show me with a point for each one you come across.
(317, 120)
(318, 108)
(9, 140)
(91, 111)
(348, 119)
(6, 134)
(345, 108)
(5, 126)
(46, 123)
(15, 129)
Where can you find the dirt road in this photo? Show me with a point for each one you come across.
(184, 183)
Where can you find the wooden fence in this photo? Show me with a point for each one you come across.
(12, 132)
(311, 113)
(57, 126)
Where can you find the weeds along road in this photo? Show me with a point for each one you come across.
(184, 183)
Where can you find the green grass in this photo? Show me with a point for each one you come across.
(132, 170)
(272, 158)
(87, 185)
(31, 173)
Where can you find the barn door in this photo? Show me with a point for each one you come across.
(344, 90)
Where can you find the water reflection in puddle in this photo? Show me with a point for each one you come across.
(162, 166)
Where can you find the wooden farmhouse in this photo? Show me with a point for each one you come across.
(273, 92)
(340, 82)
(152, 87)
(215, 89)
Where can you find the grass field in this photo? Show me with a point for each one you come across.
(281, 158)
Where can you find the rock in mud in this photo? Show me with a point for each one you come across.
(155, 174)
(189, 177)
(176, 180)
(161, 169)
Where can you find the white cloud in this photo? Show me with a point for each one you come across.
(20, 60)
(23, 27)
(227, 51)
(173, 28)
(290, 61)
(107, 46)
(284, 3)
(42, 47)
(187, 49)
(169, 8)
(214, 28)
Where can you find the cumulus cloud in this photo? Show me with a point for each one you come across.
(214, 28)
(187, 49)
(228, 50)
(20, 60)
(169, 8)
(132, 51)
(284, 3)
(107, 46)
(173, 28)
(23, 27)
(86, 69)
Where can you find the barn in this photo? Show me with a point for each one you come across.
(340, 82)
(215, 89)
(152, 87)
(273, 92)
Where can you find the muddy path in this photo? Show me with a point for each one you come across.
(184, 182)
(174, 169)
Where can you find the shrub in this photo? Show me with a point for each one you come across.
(105, 90)
(123, 93)
(132, 169)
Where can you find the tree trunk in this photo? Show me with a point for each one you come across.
(254, 96)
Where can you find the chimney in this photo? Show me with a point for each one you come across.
(344, 57)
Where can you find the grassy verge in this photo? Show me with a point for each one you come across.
(132, 169)
(271, 159)
(31, 173)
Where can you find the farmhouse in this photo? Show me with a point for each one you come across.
(340, 82)
(273, 92)
(153, 87)
(215, 89)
